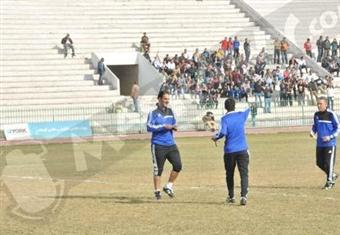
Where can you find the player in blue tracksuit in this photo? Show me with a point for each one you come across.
(325, 129)
(232, 127)
(161, 123)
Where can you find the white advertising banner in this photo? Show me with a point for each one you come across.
(17, 132)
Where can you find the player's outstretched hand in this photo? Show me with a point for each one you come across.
(168, 127)
(174, 128)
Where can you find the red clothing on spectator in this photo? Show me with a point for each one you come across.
(224, 44)
(308, 46)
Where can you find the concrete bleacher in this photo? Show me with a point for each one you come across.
(300, 19)
(38, 84)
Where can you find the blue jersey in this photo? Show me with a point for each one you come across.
(326, 124)
(157, 119)
(232, 127)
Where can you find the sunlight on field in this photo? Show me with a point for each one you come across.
(113, 193)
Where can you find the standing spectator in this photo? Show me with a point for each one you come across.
(101, 71)
(277, 49)
(224, 45)
(145, 44)
(246, 47)
(253, 112)
(325, 129)
(319, 44)
(313, 89)
(326, 47)
(267, 99)
(301, 92)
(236, 46)
(67, 43)
(258, 92)
(330, 97)
(230, 46)
(334, 47)
(135, 95)
(235, 148)
(284, 49)
(308, 48)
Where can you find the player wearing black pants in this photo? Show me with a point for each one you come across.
(325, 129)
(161, 123)
(241, 159)
(232, 127)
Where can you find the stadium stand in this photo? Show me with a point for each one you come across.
(36, 79)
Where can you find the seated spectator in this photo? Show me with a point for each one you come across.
(67, 43)
(209, 121)
(144, 42)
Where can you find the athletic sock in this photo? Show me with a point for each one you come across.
(169, 185)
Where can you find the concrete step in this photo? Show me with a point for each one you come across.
(48, 78)
(121, 42)
(45, 84)
(60, 89)
(31, 73)
(45, 96)
(153, 35)
(37, 67)
(60, 62)
(69, 100)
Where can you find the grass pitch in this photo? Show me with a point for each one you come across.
(107, 189)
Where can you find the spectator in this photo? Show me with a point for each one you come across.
(230, 46)
(101, 71)
(308, 48)
(319, 44)
(258, 89)
(284, 49)
(301, 92)
(67, 43)
(326, 47)
(236, 46)
(334, 47)
(313, 89)
(135, 96)
(267, 98)
(253, 112)
(209, 121)
(302, 64)
(246, 47)
(144, 42)
(224, 45)
(330, 97)
(277, 49)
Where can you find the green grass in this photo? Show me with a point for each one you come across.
(114, 194)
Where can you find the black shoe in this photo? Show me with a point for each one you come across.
(243, 201)
(158, 195)
(169, 191)
(230, 199)
(329, 185)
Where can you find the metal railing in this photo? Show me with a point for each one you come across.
(120, 119)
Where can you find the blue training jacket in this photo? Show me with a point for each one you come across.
(232, 127)
(325, 124)
(157, 119)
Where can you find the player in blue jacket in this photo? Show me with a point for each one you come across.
(232, 127)
(325, 129)
(161, 123)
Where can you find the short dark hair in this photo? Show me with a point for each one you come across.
(162, 93)
(229, 104)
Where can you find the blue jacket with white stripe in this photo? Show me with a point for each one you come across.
(325, 124)
(157, 119)
(232, 127)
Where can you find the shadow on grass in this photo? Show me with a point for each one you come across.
(283, 187)
(137, 200)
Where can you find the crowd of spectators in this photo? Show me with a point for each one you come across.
(227, 72)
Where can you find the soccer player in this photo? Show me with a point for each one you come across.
(161, 122)
(325, 129)
(232, 127)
